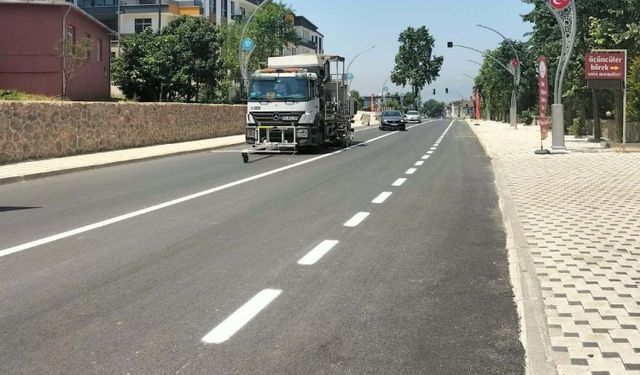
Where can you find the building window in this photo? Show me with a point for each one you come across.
(71, 33)
(87, 55)
(225, 11)
(243, 11)
(141, 23)
(99, 50)
(233, 8)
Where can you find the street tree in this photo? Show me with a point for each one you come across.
(180, 64)
(75, 55)
(355, 95)
(415, 64)
(600, 24)
(272, 31)
(433, 108)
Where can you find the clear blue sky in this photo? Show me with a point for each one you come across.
(350, 26)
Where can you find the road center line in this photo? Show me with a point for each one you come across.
(426, 157)
(317, 253)
(429, 152)
(144, 211)
(356, 220)
(410, 171)
(419, 163)
(241, 317)
(382, 197)
(399, 182)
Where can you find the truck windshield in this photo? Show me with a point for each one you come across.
(279, 89)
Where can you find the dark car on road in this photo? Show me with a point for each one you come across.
(392, 120)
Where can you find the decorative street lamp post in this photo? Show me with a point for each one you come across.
(565, 13)
(246, 48)
(514, 71)
(352, 61)
(516, 64)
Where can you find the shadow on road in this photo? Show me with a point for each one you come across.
(15, 208)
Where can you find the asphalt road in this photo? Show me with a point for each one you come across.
(303, 264)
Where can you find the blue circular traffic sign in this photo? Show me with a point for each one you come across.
(248, 44)
(350, 76)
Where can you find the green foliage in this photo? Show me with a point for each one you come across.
(180, 64)
(634, 90)
(527, 117)
(355, 95)
(271, 33)
(17, 95)
(415, 64)
(579, 127)
(433, 108)
(601, 24)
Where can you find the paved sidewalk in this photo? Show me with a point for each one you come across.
(580, 216)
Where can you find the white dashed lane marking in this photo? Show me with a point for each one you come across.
(356, 220)
(382, 197)
(419, 164)
(399, 182)
(426, 157)
(241, 317)
(410, 171)
(317, 253)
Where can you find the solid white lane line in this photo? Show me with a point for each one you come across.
(356, 220)
(144, 211)
(382, 197)
(317, 253)
(426, 157)
(419, 164)
(410, 171)
(399, 182)
(241, 317)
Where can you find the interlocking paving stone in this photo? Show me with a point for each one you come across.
(580, 213)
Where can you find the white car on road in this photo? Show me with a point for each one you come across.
(413, 116)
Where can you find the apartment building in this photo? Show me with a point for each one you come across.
(311, 40)
(133, 16)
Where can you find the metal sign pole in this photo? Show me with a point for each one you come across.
(624, 104)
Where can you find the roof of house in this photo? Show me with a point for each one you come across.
(59, 3)
(304, 22)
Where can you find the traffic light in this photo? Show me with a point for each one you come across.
(449, 44)
(446, 91)
(434, 91)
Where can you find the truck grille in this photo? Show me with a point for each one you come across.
(276, 118)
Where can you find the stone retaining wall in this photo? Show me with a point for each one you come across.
(40, 130)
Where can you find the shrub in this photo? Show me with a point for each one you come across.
(578, 128)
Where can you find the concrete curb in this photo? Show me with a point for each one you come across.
(526, 286)
(57, 172)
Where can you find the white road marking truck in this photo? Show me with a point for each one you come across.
(298, 101)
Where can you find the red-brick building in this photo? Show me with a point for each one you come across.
(30, 35)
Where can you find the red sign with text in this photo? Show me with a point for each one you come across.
(605, 65)
(543, 91)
